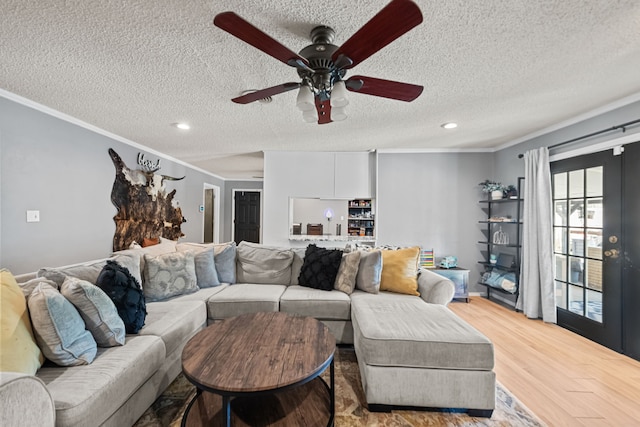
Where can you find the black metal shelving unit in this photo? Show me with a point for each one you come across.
(513, 248)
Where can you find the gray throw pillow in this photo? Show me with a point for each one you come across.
(225, 260)
(346, 278)
(206, 273)
(369, 271)
(59, 328)
(97, 310)
(169, 275)
(296, 265)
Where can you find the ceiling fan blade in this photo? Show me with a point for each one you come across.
(391, 22)
(384, 88)
(265, 93)
(238, 27)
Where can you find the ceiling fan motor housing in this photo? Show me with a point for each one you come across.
(319, 56)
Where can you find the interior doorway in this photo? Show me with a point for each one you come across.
(596, 235)
(211, 214)
(247, 216)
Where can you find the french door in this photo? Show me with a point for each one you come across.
(588, 239)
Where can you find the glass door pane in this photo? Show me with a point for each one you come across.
(578, 222)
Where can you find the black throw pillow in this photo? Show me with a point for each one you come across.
(320, 268)
(126, 293)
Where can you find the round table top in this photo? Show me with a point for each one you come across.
(257, 352)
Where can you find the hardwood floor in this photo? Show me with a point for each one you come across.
(565, 379)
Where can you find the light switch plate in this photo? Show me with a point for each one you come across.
(33, 216)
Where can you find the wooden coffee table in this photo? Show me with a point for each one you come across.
(261, 369)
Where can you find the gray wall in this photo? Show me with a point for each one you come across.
(64, 171)
(431, 200)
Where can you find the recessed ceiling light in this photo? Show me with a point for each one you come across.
(181, 126)
(449, 125)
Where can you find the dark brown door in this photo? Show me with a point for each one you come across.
(588, 241)
(247, 216)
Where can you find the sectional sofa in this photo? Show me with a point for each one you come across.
(411, 349)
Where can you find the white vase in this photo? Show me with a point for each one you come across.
(495, 195)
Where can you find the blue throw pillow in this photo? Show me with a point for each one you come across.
(125, 292)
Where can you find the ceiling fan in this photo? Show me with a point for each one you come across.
(322, 66)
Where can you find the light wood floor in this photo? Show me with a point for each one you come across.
(565, 379)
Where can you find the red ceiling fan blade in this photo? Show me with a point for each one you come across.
(265, 93)
(238, 27)
(385, 88)
(391, 22)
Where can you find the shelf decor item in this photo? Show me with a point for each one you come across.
(495, 189)
(426, 259)
(500, 237)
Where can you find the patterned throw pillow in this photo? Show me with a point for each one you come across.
(320, 268)
(59, 329)
(97, 310)
(125, 292)
(169, 275)
(346, 278)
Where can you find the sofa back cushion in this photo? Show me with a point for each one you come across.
(90, 271)
(256, 263)
(18, 349)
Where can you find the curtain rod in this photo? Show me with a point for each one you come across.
(622, 126)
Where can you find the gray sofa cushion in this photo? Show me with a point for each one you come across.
(91, 270)
(87, 395)
(174, 321)
(244, 298)
(403, 330)
(257, 263)
(332, 305)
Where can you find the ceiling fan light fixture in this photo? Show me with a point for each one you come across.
(449, 125)
(305, 101)
(339, 94)
(338, 114)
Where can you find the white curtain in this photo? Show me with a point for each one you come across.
(537, 293)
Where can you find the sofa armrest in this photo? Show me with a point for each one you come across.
(434, 288)
(25, 401)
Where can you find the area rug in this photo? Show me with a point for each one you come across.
(351, 406)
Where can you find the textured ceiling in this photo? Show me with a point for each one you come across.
(501, 69)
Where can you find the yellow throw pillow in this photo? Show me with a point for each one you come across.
(18, 349)
(400, 271)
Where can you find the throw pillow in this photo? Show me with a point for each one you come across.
(400, 271)
(18, 349)
(225, 259)
(369, 271)
(206, 273)
(263, 264)
(97, 310)
(59, 329)
(346, 278)
(169, 275)
(125, 292)
(320, 267)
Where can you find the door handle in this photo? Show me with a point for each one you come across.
(613, 253)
